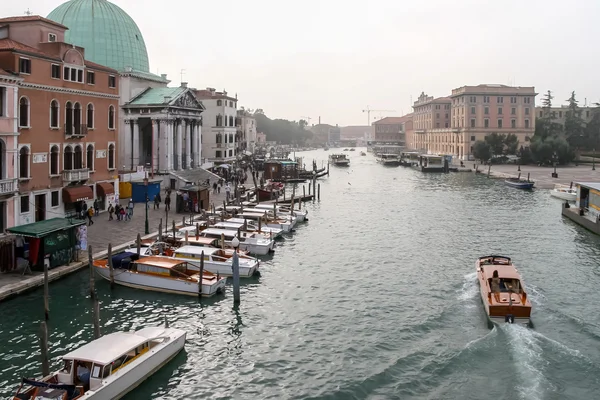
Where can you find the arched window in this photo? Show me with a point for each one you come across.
(90, 157)
(24, 112)
(77, 118)
(219, 120)
(24, 162)
(54, 160)
(111, 117)
(90, 116)
(231, 138)
(219, 138)
(230, 120)
(226, 141)
(68, 159)
(54, 112)
(111, 156)
(78, 161)
(69, 118)
(219, 103)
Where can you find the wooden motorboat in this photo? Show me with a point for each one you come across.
(564, 192)
(163, 274)
(519, 183)
(339, 160)
(108, 367)
(502, 290)
(209, 242)
(270, 191)
(216, 261)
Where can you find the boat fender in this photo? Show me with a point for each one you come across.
(509, 318)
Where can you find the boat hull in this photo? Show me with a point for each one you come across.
(160, 284)
(520, 185)
(345, 163)
(563, 195)
(266, 195)
(131, 376)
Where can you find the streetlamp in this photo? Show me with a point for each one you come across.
(554, 159)
(147, 230)
(235, 267)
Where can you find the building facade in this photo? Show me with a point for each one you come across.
(219, 143)
(247, 130)
(475, 112)
(67, 120)
(391, 130)
(559, 114)
(9, 135)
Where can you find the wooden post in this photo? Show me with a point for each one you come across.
(160, 232)
(489, 169)
(139, 242)
(44, 349)
(91, 266)
(303, 191)
(245, 224)
(186, 238)
(96, 319)
(46, 294)
(274, 211)
(174, 228)
(260, 224)
(111, 267)
(236, 277)
(183, 223)
(222, 240)
(528, 176)
(319, 191)
(309, 183)
(197, 230)
(95, 305)
(201, 275)
(284, 193)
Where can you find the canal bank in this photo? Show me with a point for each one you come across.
(542, 176)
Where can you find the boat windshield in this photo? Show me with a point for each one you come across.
(508, 285)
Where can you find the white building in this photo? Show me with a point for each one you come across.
(247, 131)
(218, 125)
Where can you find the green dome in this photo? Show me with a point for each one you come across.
(108, 34)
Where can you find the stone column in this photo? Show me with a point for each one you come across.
(199, 144)
(155, 153)
(169, 147)
(188, 144)
(179, 150)
(125, 149)
(136, 144)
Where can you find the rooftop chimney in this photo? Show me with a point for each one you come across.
(183, 84)
(164, 76)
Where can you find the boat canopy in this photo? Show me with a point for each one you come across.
(197, 250)
(200, 240)
(107, 348)
(159, 262)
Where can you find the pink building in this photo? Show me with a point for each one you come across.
(475, 112)
(9, 95)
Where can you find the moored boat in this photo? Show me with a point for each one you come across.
(255, 243)
(564, 192)
(388, 159)
(519, 183)
(502, 290)
(163, 274)
(431, 163)
(301, 215)
(217, 261)
(108, 367)
(362, 153)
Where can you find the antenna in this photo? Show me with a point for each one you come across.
(28, 12)
(182, 72)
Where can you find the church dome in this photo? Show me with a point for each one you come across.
(108, 34)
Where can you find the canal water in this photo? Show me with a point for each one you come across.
(374, 298)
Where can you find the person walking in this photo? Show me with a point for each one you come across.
(96, 207)
(168, 202)
(130, 206)
(122, 213)
(111, 210)
(156, 202)
(227, 191)
(90, 214)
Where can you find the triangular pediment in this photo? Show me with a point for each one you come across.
(187, 100)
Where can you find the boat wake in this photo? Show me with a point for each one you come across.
(469, 289)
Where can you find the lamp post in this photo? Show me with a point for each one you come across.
(146, 230)
(235, 267)
(554, 159)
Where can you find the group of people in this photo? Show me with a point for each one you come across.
(122, 213)
(89, 212)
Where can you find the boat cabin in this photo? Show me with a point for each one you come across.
(164, 266)
(386, 156)
(429, 160)
(280, 169)
(588, 198)
(96, 361)
(194, 253)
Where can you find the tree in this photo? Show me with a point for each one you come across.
(302, 123)
(482, 150)
(544, 128)
(542, 150)
(511, 144)
(281, 130)
(574, 123)
(592, 131)
(496, 143)
(547, 103)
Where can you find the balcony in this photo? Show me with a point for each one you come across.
(74, 175)
(76, 131)
(8, 186)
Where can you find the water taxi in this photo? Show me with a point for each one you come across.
(519, 183)
(108, 367)
(564, 192)
(253, 242)
(301, 215)
(251, 225)
(362, 153)
(431, 163)
(273, 233)
(388, 159)
(284, 224)
(209, 242)
(339, 160)
(502, 290)
(217, 261)
(163, 274)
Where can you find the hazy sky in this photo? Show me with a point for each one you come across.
(333, 58)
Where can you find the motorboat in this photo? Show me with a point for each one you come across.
(339, 160)
(108, 367)
(519, 183)
(255, 243)
(240, 227)
(502, 290)
(270, 191)
(352, 149)
(251, 224)
(431, 163)
(209, 242)
(301, 215)
(217, 261)
(388, 159)
(163, 274)
(564, 192)
(264, 219)
(362, 153)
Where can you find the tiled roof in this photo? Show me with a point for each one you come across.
(98, 66)
(206, 94)
(9, 44)
(30, 18)
(394, 120)
(443, 99)
(144, 75)
(156, 96)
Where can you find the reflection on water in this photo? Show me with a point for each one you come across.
(374, 297)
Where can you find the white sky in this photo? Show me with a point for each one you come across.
(332, 58)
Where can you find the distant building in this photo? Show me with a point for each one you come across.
(475, 112)
(334, 135)
(261, 137)
(391, 129)
(247, 130)
(559, 114)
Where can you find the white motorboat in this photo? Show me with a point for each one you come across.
(251, 224)
(341, 160)
(301, 215)
(564, 192)
(239, 226)
(163, 274)
(389, 159)
(431, 163)
(253, 242)
(108, 367)
(280, 223)
(217, 261)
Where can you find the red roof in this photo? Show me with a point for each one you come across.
(207, 94)
(394, 120)
(30, 18)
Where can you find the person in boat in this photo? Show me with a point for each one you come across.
(83, 373)
(495, 282)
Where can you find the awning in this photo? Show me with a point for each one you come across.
(104, 189)
(44, 228)
(77, 193)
